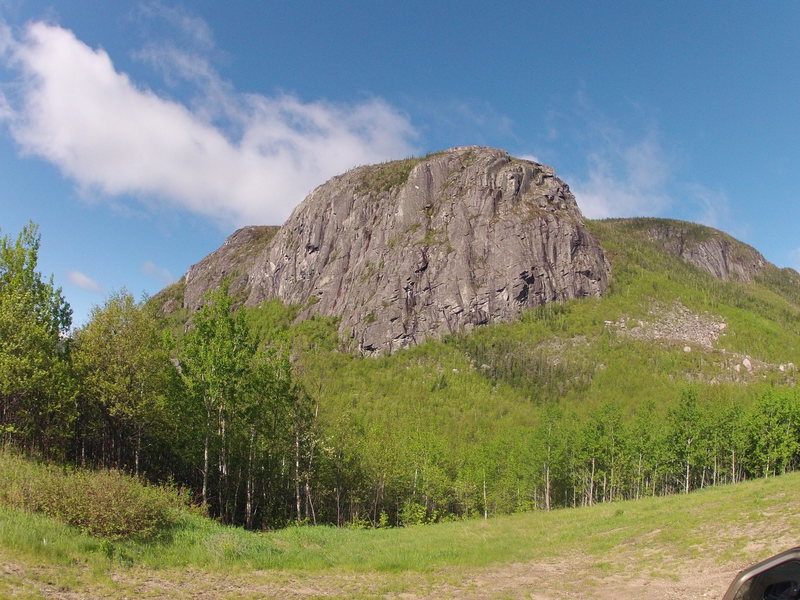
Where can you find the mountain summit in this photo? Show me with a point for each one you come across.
(420, 247)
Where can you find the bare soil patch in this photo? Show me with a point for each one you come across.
(566, 578)
(676, 324)
(644, 566)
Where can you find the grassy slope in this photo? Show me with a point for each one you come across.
(433, 417)
(437, 413)
(503, 372)
(647, 539)
(496, 378)
(438, 400)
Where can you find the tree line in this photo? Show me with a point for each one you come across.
(565, 460)
(215, 411)
(221, 409)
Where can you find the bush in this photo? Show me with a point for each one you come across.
(413, 513)
(106, 504)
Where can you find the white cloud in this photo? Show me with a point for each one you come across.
(714, 207)
(6, 39)
(625, 179)
(5, 108)
(794, 259)
(632, 172)
(84, 282)
(638, 180)
(74, 109)
(195, 29)
(530, 157)
(160, 274)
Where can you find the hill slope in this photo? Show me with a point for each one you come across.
(568, 403)
(686, 546)
(424, 247)
(714, 251)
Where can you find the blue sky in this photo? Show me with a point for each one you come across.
(138, 135)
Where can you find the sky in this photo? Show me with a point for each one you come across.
(139, 135)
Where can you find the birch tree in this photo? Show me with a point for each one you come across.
(124, 371)
(37, 399)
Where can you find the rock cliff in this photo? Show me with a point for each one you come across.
(423, 247)
(709, 249)
(231, 261)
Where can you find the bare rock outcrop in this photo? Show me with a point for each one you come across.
(706, 248)
(673, 324)
(424, 247)
(232, 261)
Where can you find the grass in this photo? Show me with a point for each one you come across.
(567, 354)
(386, 176)
(449, 406)
(106, 504)
(647, 538)
(455, 404)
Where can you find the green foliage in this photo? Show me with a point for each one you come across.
(710, 522)
(172, 294)
(667, 228)
(270, 424)
(106, 504)
(772, 434)
(249, 416)
(559, 408)
(270, 322)
(36, 384)
(125, 374)
(386, 176)
(785, 282)
(411, 513)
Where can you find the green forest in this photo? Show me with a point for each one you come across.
(264, 422)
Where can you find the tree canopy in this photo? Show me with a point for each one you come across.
(267, 423)
(36, 385)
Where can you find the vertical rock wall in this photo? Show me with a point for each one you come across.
(424, 247)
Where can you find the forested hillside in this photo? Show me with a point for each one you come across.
(672, 381)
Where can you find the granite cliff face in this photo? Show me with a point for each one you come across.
(231, 261)
(709, 249)
(424, 247)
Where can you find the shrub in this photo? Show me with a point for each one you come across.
(106, 504)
